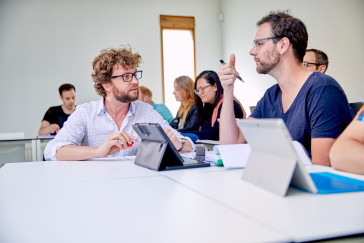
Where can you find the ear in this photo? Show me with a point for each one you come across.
(60, 96)
(107, 86)
(215, 87)
(283, 45)
(322, 68)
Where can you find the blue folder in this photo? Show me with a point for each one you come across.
(327, 182)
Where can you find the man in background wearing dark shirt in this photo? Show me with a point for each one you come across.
(56, 115)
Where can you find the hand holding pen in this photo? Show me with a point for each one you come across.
(228, 73)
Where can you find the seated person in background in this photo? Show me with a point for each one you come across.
(312, 104)
(104, 127)
(208, 102)
(146, 96)
(186, 118)
(315, 61)
(347, 153)
(56, 115)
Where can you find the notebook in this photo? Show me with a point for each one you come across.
(157, 152)
(274, 164)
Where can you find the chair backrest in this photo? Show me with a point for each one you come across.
(356, 106)
(251, 108)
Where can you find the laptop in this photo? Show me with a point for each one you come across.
(274, 164)
(157, 152)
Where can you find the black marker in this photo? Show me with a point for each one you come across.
(238, 77)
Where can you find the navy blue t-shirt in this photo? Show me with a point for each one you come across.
(320, 109)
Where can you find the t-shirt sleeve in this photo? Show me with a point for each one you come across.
(329, 112)
(50, 116)
(257, 112)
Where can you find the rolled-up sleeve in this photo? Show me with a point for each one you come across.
(72, 132)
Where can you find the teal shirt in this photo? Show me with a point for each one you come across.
(163, 111)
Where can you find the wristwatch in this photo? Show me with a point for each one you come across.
(183, 145)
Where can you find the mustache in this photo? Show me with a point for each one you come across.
(134, 87)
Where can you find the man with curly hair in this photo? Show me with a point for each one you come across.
(104, 127)
(312, 104)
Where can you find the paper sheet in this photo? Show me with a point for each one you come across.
(236, 155)
(233, 155)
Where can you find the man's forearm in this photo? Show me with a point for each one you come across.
(73, 152)
(229, 131)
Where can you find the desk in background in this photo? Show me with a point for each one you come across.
(117, 201)
(22, 149)
(209, 144)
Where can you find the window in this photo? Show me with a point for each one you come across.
(178, 54)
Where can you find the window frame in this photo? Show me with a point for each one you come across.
(171, 22)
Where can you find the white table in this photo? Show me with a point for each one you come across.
(110, 201)
(301, 216)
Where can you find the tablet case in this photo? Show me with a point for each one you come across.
(155, 151)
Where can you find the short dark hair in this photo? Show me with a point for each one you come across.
(284, 25)
(66, 87)
(321, 57)
(204, 110)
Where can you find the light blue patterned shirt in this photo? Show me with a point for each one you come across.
(90, 125)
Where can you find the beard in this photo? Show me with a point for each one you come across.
(267, 66)
(125, 97)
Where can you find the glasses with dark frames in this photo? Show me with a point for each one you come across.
(258, 42)
(201, 90)
(305, 64)
(127, 77)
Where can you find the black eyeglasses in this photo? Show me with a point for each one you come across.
(305, 64)
(258, 42)
(127, 77)
(201, 90)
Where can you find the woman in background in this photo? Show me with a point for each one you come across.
(209, 102)
(186, 118)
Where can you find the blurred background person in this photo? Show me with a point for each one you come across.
(186, 118)
(347, 153)
(56, 115)
(146, 96)
(315, 61)
(208, 103)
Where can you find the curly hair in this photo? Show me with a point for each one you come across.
(104, 63)
(284, 25)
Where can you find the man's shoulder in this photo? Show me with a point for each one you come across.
(160, 105)
(141, 106)
(55, 108)
(317, 79)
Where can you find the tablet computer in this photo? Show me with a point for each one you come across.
(274, 164)
(157, 152)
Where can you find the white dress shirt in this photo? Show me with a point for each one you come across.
(90, 125)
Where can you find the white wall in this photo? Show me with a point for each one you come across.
(334, 26)
(44, 43)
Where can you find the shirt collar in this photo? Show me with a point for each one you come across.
(100, 107)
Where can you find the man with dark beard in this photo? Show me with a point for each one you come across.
(313, 105)
(104, 127)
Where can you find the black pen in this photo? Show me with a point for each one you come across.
(238, 77)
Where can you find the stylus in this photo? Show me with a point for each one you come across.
(238, 77)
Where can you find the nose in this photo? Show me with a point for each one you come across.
(253, 51)
(135, 79)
